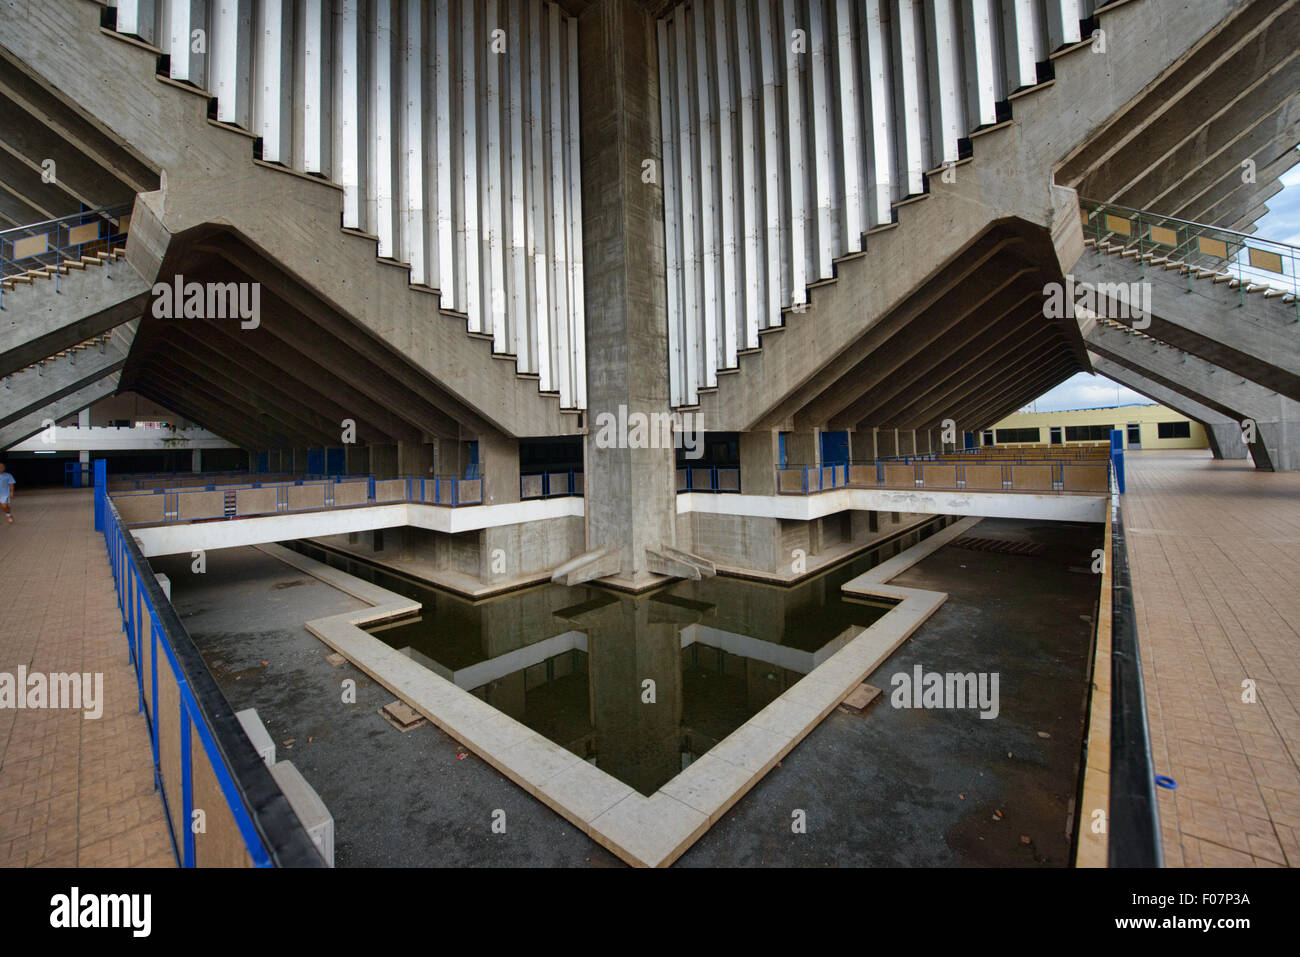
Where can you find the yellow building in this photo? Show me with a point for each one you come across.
(1144, 426)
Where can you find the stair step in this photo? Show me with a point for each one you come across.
(1272, 293)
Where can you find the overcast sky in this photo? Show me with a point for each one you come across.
(1084, 391)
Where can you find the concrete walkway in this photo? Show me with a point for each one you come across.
(1215, 549)
(74, 791)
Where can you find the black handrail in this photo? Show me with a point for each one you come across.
(1135, 839)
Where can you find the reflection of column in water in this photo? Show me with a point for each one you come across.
(631, 640)
(509, 623)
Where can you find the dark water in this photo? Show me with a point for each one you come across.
(641, 685)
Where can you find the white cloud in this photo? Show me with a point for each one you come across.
(1086, 391)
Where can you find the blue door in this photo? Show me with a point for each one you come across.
(835, 448)
(335, 461)
(316, 461)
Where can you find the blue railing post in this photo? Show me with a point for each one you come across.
(1117, 457)
(101, 490)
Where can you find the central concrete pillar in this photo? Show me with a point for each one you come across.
(630, 492)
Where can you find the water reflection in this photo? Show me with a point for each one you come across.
(638, 685)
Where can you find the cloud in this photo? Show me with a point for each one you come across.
(1086, 391)
(1282, 221)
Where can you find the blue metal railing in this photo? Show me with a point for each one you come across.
(813, 479)
(268, 828)
(717, 479)
(52, 243)
(446, 491)
(1251, 259)
(810, 479)
(556, 483)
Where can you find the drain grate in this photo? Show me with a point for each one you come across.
(1000, 546)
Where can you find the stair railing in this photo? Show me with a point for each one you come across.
(1252, 260)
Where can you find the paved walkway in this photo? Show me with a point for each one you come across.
(1215, 549)
(74, 791)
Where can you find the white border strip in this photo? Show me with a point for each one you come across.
(644, 831)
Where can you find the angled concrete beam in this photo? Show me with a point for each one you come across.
(70, 404)
(1023, 345)
(1277, 418)
(601, 563)
(211, 364)
(88, 137)
(1212, 161)
(1224, 433)
(675, 563)
(338, 399)
(25, 137)
(962, 314)
(1011, 325)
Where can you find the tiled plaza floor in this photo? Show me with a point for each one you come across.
(74, 791)
(1215, 551)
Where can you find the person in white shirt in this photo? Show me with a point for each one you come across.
(7, 484)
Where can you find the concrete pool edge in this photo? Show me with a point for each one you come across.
(644, 831)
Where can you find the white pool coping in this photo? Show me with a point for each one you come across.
(644, 831)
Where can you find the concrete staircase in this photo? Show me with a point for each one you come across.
(43, 317)
(62, 384)
(954, 245)
(1202, 308)
(211, 214)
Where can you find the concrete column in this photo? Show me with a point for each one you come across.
(1225, 441)
(630, 493)
(803, 448)
(498, 464)
(415, 458)
(451, 457)
(758, 458)
(252, 459)
(196, 460)
(383, 460)
(356, 460)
